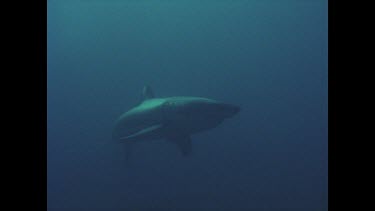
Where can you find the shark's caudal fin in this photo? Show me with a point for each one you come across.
(147, 93)
(183, 143)
(128, 147)
(130, 140)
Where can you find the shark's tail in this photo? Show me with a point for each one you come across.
(128, 150)
(128, 146)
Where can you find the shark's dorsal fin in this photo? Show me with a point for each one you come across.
(147, 93)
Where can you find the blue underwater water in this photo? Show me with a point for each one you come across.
(267, 56)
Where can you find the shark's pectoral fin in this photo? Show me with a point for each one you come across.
(183, 143)
(149, 131)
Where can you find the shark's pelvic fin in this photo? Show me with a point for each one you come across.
(144, 132)
(183, 143)
(147, 93)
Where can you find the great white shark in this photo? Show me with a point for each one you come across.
(173, 119)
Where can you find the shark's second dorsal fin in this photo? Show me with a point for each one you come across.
(147, 93)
